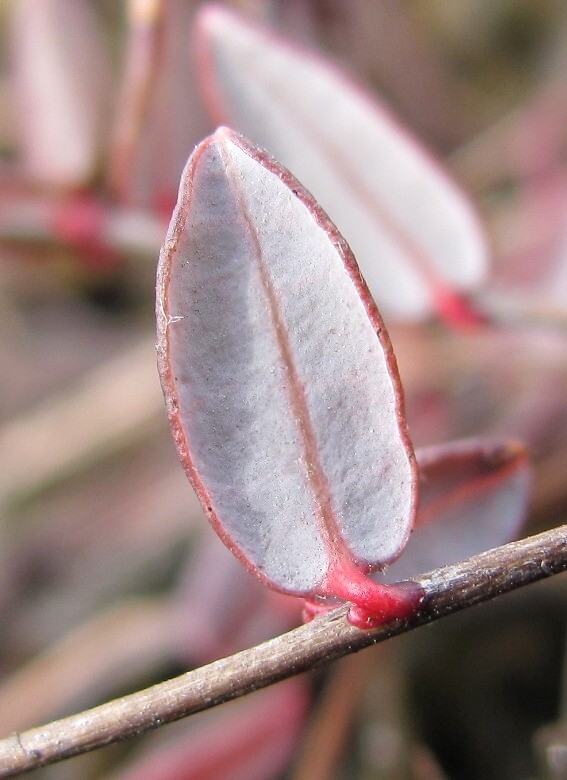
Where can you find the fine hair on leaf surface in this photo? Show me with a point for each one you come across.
(281, 384)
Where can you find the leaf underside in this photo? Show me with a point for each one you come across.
(280, 382)
(474, 495)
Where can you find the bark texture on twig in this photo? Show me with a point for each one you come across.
(450, 589)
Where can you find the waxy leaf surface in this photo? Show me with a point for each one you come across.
(281, 386)
(412, 231)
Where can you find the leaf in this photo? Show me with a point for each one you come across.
(280, 381)
(61, 72)
(159, 117)
(473, 496)
(413, 232)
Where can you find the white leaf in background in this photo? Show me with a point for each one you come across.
(61, 72)
(414, 234)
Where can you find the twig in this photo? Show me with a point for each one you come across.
(447, 590)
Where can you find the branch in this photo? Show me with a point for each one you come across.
(447, 590)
